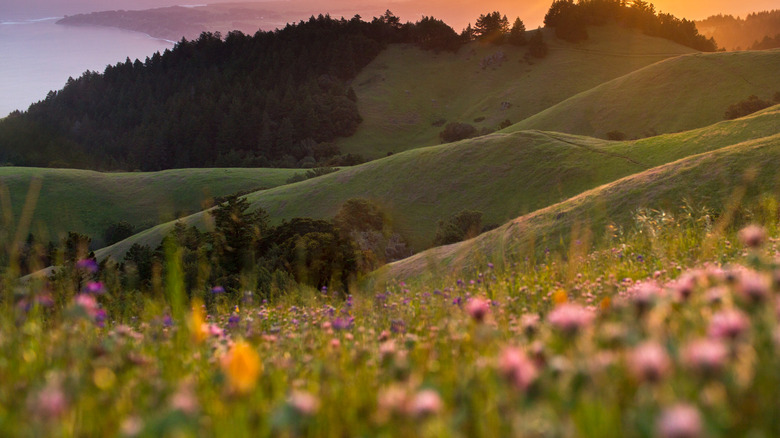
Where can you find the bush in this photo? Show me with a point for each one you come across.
(118, 232)
(462, 226)
(748, 106)
(457, 131)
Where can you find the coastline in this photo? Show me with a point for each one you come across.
(39, 56)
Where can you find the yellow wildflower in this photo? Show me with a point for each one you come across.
(197, 322)
(242, 366)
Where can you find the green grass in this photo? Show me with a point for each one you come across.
(502, 175)
(677, 94)
(715, 181)
(405, 89)
(88, 202)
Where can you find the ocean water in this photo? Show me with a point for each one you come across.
(37, 55)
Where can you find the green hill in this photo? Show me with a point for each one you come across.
(709, 179)
(88, 202)
(502, 175)
(674, 95)
(405, 90)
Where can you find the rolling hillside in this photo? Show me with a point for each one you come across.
(710, 179)
(404, 91)
(502, 175)
(674, 95)
(88, 202)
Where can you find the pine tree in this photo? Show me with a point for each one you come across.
(517, 34)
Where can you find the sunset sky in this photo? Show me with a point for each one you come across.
(456, 12)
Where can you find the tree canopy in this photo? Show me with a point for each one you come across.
(570, 21)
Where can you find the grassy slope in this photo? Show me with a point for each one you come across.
(502, 175)
(674, 95)
(87, 202)
(710, 179)
(405, 89)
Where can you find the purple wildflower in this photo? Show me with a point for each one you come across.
(95, 288)
(87, 265)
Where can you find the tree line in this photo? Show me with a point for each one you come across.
(757, 31)
(570, 21)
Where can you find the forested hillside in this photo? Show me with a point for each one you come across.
(757, 31)
(273, 99)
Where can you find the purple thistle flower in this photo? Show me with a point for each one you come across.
(95, 288)
(342, 323)
(397, 326)
(218, 290)
(88, 265)
(100, 317)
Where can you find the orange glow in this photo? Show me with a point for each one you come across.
(458, 13)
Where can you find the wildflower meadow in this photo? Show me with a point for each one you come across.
(671, 333)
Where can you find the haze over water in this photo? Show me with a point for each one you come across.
(38, 56)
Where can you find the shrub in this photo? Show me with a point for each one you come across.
(748, 106)
(463, 225)
(457, 131)
(118, 232)
(616, 135)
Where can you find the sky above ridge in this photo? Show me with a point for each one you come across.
(455, 12)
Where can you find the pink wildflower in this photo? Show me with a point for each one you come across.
(570, 318)
(644, 295)
(728, 324)
(680, 421)
(88, 303)
(478, 308)
(50, 402)
(649, 362)
(706, 355)
(426, 402)
(517, 368)
(529, 322)
(753, 286)
(752, 236)
(304, 403)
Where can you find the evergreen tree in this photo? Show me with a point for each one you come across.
(517, 34)
(492, 27)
